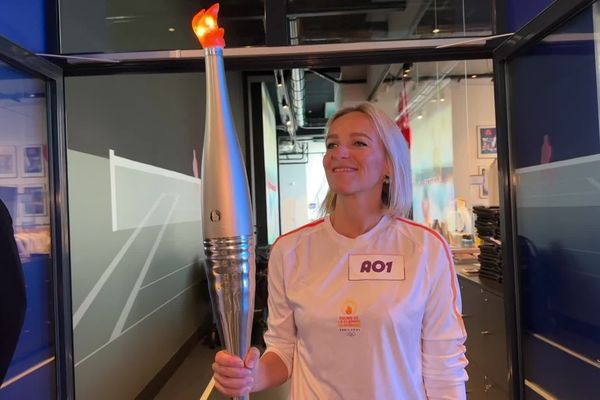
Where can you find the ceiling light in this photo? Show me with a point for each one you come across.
(474, 76)
(420, 116)
(442, 99)
(171, 29)
(435, 19)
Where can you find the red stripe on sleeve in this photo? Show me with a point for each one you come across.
(309, 225)
(450, 268)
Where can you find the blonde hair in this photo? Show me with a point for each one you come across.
(396, 196)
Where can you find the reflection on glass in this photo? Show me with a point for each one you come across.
(127, 25)
(24, 191)
(556, 148)
(366, 20)
(112, 26)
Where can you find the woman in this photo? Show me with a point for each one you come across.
(362, 303)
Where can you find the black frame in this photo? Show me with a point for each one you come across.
(23, 60)
(557, 14)
(255, 157)
(310, 59)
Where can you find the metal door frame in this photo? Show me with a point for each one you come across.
(556, 15)
(26, 61)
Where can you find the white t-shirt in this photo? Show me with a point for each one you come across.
(374, 317)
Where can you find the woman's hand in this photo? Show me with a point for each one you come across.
(234, 377)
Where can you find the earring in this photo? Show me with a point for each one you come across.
(386, 179)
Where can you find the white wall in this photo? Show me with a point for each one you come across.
(473, 106)
(303, 188)
(292, 186)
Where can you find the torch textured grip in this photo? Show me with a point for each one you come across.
(231, 271)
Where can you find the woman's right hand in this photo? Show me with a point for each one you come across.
(234, 377)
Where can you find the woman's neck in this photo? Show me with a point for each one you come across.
(352, 219)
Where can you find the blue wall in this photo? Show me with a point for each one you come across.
(24, 23)
(520, 12)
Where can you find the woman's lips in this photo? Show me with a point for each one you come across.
(344, 169)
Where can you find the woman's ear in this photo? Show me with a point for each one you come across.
(388, 168)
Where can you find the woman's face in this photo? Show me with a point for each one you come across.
(355, 161)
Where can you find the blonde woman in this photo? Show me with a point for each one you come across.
(363, 303)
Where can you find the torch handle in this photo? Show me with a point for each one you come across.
(231, 274)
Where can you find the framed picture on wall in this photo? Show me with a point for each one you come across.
(486, 141)
(8, 162)
(33, 163)
(483, 187)
(33, 199)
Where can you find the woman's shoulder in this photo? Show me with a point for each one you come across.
(291, 238)
(419, 232)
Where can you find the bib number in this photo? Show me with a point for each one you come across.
(366, 267)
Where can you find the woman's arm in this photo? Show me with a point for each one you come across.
(271, 372)
(443, 333)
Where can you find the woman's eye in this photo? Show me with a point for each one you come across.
(360, 143)
(330, 146)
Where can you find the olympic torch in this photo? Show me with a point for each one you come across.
(226, 219)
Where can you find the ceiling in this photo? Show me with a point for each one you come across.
(320, 85)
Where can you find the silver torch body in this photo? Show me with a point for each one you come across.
(227, 217)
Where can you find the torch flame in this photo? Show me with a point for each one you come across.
(206, 28)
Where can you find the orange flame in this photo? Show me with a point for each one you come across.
(348, 309)
(206, 28)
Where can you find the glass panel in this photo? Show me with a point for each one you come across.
(555, 143)
(332, 21)
(24, 187)
(112, 26)
(133, 25)
(134, 160)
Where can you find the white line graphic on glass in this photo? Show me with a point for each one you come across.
(142, 275)
(150, 182)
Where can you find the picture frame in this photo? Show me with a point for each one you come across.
(33, 161)
(483, 187)
(486, 141)
(34, 200)
(8, 162)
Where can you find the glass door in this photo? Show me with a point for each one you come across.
(33, 293)
(548, 120)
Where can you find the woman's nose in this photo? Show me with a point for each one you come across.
(340, 152)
